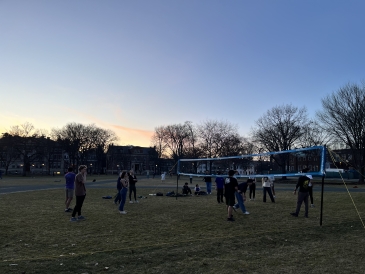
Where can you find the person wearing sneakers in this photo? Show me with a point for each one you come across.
(80, 193)
(241, 196)
(70, 186)
(123, 192)
(132, 187)
(303, 185)
(266, 185)
(230, 187)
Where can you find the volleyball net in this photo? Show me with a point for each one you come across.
(278, 164)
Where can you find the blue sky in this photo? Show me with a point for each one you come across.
(131, 66)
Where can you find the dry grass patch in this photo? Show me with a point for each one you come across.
(187, 235)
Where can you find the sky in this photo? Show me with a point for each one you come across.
(130, 66)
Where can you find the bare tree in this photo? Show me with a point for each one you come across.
(176, 138)
(279, 129)
(158, 141)
(343, 117)
(83, 142)
(26, 144)
(218, 139)
(216, 136)
(193, 150)
(314, 135)
(8, 152)
(71, 137)
(100, 141)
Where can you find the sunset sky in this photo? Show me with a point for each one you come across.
(131, 66)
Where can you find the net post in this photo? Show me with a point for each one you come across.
(320, 219)
(323, 170)
(177, 177)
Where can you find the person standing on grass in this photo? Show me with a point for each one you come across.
(208, 182)
(241, 196)
(272, 179)
(119, 187)
(70, 185)
(191, 179)
(80, 193)
(230, 187)
(163, 176)
(310, 186)
(266, 185)
(310, 191)
(132, 187)
(303, 185)
(123, 192)
(252, 188)
(219, 186)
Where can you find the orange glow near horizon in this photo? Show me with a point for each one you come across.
(131, 136)
(127, 136)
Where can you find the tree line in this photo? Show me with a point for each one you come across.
(340, 123)
(79, 141)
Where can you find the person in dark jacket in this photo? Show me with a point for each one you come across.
(186, 189)
(80, 193)
(303, 185)
(119, 187)
(132, 187)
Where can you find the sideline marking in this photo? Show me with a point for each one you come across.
(28, 190)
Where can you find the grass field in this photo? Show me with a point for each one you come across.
(187, 235)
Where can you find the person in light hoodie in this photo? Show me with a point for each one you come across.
(266, 185)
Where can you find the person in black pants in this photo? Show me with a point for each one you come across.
(132, 187)
(310, 191)
(80, 193)
(266, 184)
(252, 188)
(303, 194)
(219, 186)
(119, 187)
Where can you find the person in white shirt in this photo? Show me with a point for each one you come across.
(266, 185)
(163, 175)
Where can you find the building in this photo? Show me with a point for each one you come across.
(142, 160)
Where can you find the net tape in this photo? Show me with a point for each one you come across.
(319, 151)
